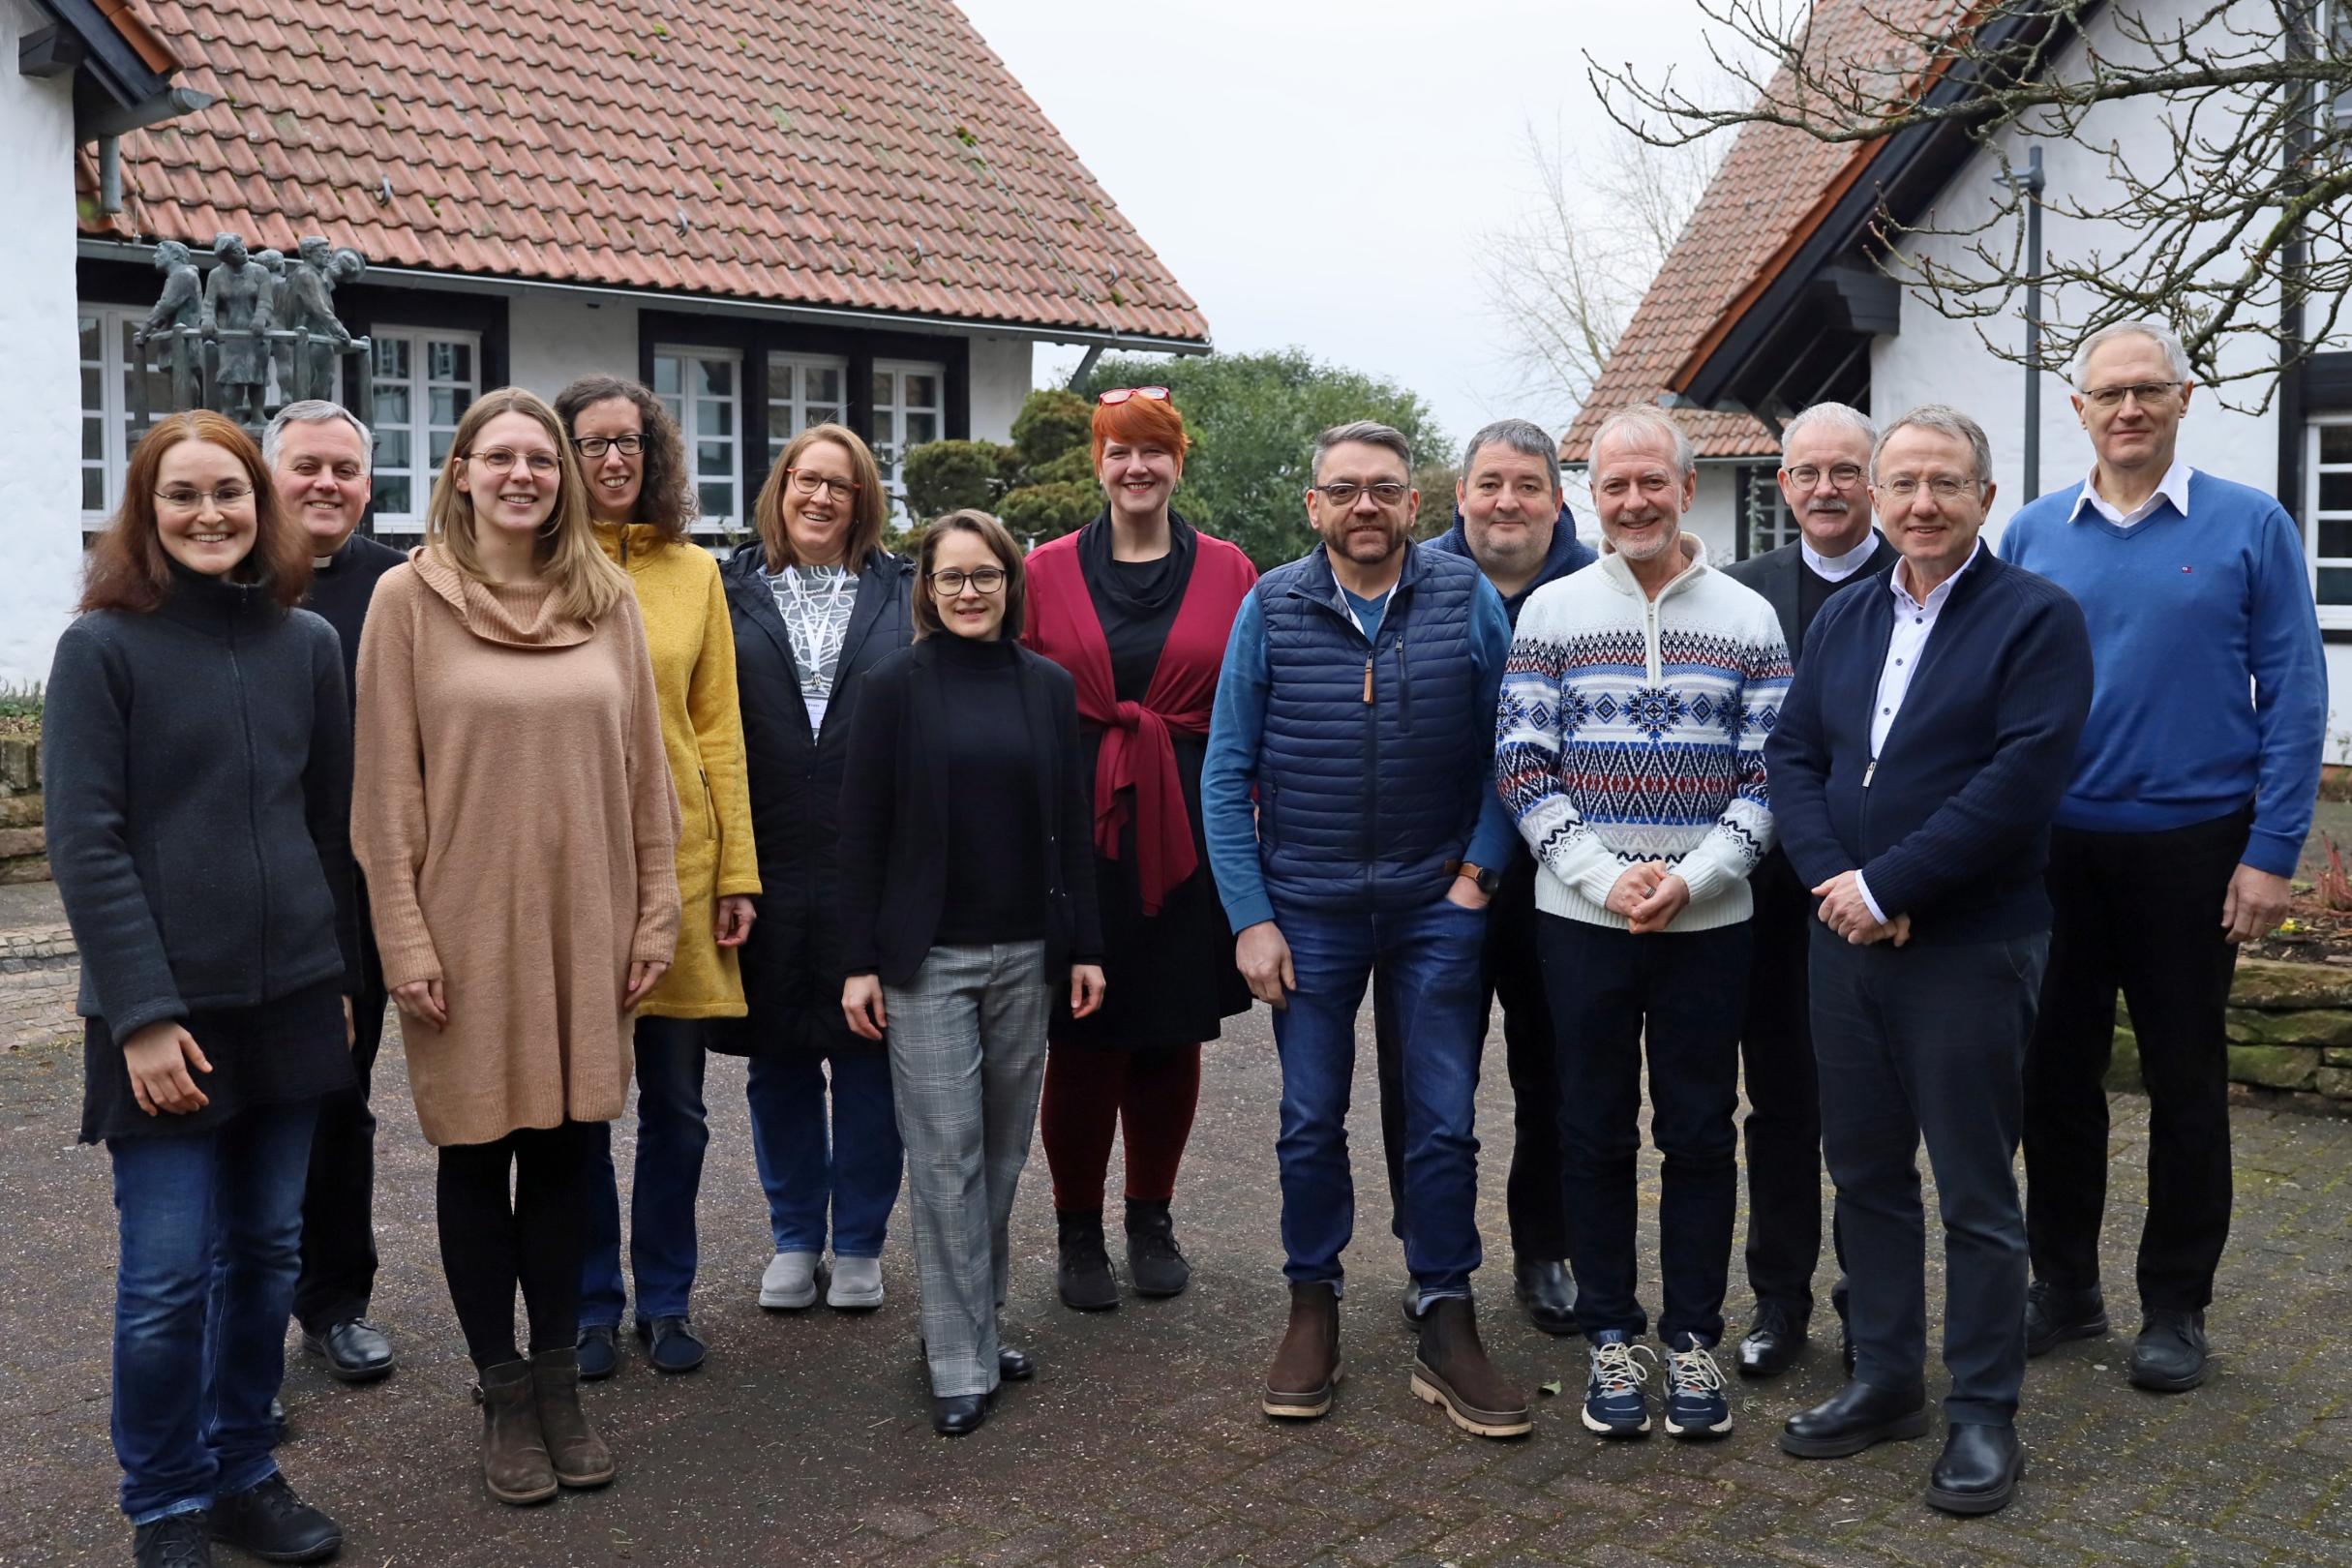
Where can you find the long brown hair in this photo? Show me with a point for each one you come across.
(971, 519)
(869, 508)
(665, 500)
(128, 568)
(586, 581)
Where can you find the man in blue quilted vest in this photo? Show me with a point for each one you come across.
(1350, 806)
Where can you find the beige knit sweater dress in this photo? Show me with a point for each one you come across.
(515, 819)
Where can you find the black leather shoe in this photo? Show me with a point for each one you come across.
(1978, 1472)
(274, 1524)
(1772, 1342)
(2170, 1353)
(670, 1343)
(1014, 1365)
(174, 1541)
(1547, 1291)
(355, 1350)
(2053, 1317)
(958, 1415)
(599, 1350)
(1858, 1417)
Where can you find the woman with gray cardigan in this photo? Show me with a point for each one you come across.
(196, 762)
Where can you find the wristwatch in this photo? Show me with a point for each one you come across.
(1489, 883)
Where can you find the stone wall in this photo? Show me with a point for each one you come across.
(23, 852)
(2289, 1028)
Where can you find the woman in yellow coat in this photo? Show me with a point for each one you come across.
(642, 498)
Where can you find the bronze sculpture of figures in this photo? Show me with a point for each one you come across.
(235, 320)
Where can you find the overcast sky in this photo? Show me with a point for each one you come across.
(1314, 173)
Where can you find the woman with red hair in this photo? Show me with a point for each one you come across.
(1137, 606)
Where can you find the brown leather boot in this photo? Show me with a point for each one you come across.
(514, 1451)
(1453, 1371)
(578, 1454)
(1307, 1364)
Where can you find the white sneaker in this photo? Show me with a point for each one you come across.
(857, 1286)
(789, 1281)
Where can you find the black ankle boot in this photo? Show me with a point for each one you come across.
(1084, 1275)
(1153, 1260)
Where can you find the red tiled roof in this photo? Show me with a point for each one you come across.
(860, 154)
(1774, 186)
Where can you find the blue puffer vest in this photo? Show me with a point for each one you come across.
(1364, 799)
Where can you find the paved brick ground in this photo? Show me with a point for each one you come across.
(806, 1439)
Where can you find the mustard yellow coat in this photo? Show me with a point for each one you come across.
(692, 640)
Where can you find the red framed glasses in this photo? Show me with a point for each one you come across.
(1120, 394)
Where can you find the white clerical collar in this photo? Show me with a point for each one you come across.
(2173, 487)
(1837, 568)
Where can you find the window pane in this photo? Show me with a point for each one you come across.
(886, 390)
(392, 403)
(392, 495)
(93, 340)
(93, 436)
(718, 502)
(2335, 537)
(817, 413)
(922, 392)
(2336, 491)
(2335, 443)
(439, 445)
(391, 446)
(715, 377)
(449, 362)
(823, 384)
(921, 428)
(665, 374)
(391, 356)
(442, 408)
(93, 490)
(2335, 585)
(781, 425)
(717, 418)
(713, 457)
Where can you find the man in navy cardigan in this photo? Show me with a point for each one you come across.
(1922, 751)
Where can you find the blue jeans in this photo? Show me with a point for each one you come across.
(193, 1386)
(672, 1134)
(854, 1171)
(1426, 963)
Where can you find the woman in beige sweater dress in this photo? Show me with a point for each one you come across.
(518, 825)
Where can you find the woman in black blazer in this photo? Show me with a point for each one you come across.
(816, 603)
(967, 896)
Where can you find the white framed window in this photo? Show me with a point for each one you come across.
(2327, 515)
(910, 409)
(107, 364)
(803, 390)
(1765, 513)
(424, 380)
(703, 390)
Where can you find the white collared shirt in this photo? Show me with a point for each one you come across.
(2173, 487)
(1914, 622)
(1837, 568)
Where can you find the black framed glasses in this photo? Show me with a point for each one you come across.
(594, 447)
(950, 583)
(1343, 492)
(2146, 394)
(1845, 475)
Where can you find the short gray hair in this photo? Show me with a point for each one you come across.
(1524, 436)
(1643, 420)
(2176, 357)
(1363, 433)
(1843, 415)
(1944, 420)
(313, 412)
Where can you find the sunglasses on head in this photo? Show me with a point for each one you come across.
(1120, 394)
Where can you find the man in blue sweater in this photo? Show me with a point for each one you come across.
(2191, 799)
(1922, 750)
(1508, 517)
(1348, 802)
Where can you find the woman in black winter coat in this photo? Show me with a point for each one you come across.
(816, 604)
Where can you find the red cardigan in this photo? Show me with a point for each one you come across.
(1138, 749)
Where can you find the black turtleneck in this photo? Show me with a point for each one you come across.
(996, 845)
(340, 591)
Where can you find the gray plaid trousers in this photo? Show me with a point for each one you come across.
(967, 1061)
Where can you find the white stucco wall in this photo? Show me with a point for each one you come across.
(1000, 380)
(39, 397)
(552, 341)
(1714, 516)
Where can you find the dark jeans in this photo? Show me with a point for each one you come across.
(492, 1242)
(1513, 973)
(185, 1436)
(1784, 1124)
(2143, 912)
(338, 1206)
(851, 1172)
(672, 1134)
(1928, 1043)
(1681, 994)
(1425, 962)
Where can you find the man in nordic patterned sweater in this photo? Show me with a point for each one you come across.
(1630, 748)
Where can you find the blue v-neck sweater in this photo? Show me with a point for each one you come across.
(2211, 687)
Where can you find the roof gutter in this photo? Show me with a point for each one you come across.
(104, 250)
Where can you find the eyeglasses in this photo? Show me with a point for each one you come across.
(806, 483)
(185, 500)
(594, 447)
(1845, 475)
(950, 583)
(1343, 492)
(1120, 394)
(1943, 487)
(502, 460)
(2149, 394)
